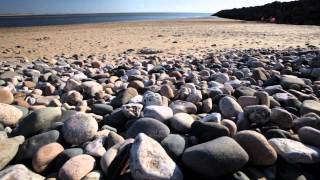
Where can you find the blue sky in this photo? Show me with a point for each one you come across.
(105, 6)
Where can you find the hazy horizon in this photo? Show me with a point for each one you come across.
(121, 6)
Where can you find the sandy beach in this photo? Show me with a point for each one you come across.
(171, 36)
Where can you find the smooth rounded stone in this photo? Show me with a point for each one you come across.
(9, 115)
(151, 98)
(148, 160)
(124, 97)
(77, 167)
(151, 127)
(161, 113)
(282, 118)
(221, 78)
(32, 144)
(278, 133)
(215, 158)
(6, 96)
(24, 110)
(230, 125)
(310, 106)
(306, 121)
(72, 97)
(79, 128)
(263, 98)
(256, 145)
(138, 85)
(91, 88)
(167, 91)
(206, 131)
(207, 105)
(132, 110)
(113, 139)
(94, 175)
(194, 96)
(294, 151)
(95, 148)
(259, 114)
(287, 81)
(310, 136)
(101, 109)
(116, 119)
(229, 107)
(19, 172)
(9, 74)
(45, 155)
(37, 121)
(67, 154)
(245, 101)
(244, 91)
(181, 122)
(179, 106)
(213, 117)
(8, 149)
(174, 145)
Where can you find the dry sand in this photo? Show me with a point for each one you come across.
(172, 37)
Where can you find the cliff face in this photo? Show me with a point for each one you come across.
(296, 12)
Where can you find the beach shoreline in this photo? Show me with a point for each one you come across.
(169, 36)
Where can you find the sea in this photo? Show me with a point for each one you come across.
(45, 20)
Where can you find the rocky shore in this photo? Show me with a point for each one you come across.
(230, 114)
(301, 12)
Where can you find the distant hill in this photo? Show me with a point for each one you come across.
(302, 12)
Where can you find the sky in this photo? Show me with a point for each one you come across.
(109, 6)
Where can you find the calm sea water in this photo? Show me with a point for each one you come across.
(44, 20)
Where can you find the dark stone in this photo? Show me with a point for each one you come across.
(206, 131)
(101, 109)
(174, 145)
(151, 127)
(215, 158)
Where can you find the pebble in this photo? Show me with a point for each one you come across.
(294, 151)
(6, 95)
(310, 136)
(167, 91)
(38, 121)
(310, 106)
(260, 152)
(91, 88)
(259, 114)
(151, 127)
(132, 110)
(45, 155)
(148, 160)
(181, 122)
(101, 109)
(32, 144)
(79, 128)
(174, 145)
(206, 131)
(230, 125)
(179, 106)
(10, 115)
(215, 158)
(282, 118)
(95, 148)
(124, 97)
(67, 154)
(77, 167)
(161, 113)
(151, 98)
(19, 172)
(8, 149)
(229, 107)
